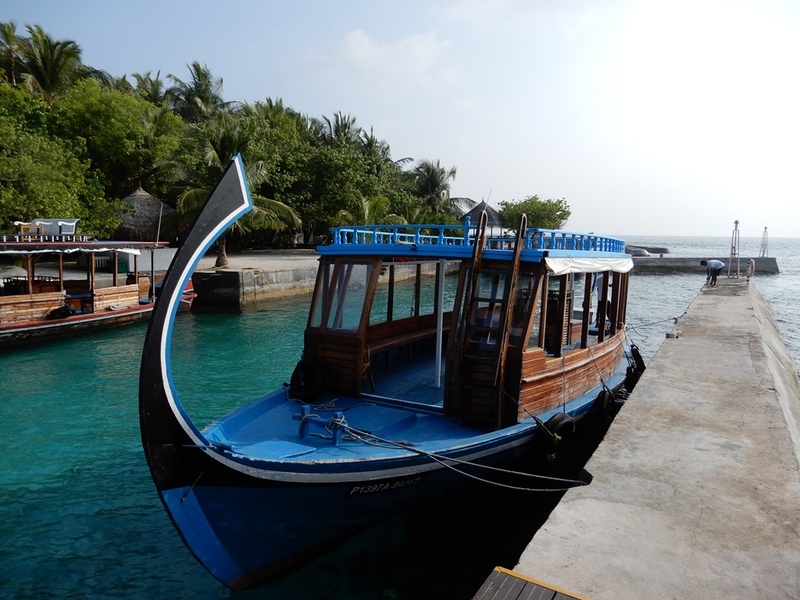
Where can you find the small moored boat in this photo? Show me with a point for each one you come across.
(434, 358)
(50, 299)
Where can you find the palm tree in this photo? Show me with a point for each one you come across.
(267, 109)
(121, 84)
(49, 67)
(367, 211)
(372, 145)
(432, 185)
(220, 138)
(415, 213)
(200, 97)
(9, 51)
(341, 129)
(152, 89)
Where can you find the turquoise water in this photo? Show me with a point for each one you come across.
(80, 515)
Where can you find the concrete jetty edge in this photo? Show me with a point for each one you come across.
(661, 265)
(782, 366)
(696, 486)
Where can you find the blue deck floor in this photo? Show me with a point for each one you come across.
(411, 378)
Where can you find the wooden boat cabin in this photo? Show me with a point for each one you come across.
(61, 273)
(520, 326)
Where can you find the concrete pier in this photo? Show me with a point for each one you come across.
(664, 265)
(255, 276)
(696, 489)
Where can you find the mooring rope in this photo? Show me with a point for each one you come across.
(673, 319)
(445, 461)
(596, 366)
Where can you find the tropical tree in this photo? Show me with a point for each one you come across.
(164, 132)
(413, 212)
(120, 84)
(200, 97)
(51, 67)
(367, 211)
(544, 214)
(341, 129)
(9, 51)
(219, 139)
(152, 89)
(432, 186)
(40, 175)
(117, 135)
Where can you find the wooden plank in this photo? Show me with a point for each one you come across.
(26, 308)
(123, 295)
(500, 586)
(504, 584)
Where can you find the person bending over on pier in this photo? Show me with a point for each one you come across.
(713, 269)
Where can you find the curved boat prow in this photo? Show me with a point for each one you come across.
(163, 421)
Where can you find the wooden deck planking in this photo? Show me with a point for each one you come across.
(503, 584)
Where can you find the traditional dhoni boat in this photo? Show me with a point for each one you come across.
(499, 346)
(59, 293)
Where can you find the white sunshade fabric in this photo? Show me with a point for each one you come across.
(563, 266)
(72, 250)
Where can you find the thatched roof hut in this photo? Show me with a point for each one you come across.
(494, 219)
(140, 219)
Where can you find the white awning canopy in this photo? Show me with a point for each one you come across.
(52, 250)
(562, 266)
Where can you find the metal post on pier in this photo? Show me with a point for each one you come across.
(734, 251)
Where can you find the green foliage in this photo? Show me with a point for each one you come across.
(198, 98)
(544, 214)
(432, 186)
(123, 137)
(367, 211)
(74, 140)
(218, 139)
(48, 67)
(39, 175)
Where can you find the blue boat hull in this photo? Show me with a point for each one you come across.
(247, 529)
(256, 529)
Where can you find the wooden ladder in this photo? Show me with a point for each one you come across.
(479, 369)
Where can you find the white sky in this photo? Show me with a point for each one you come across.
(649, 118)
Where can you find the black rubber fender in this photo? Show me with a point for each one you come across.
(637, 358)
(602, 404)
(308, 380)
(561, 427)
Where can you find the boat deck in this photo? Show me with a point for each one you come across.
(410, 376)
(412, 413)
(404, 424)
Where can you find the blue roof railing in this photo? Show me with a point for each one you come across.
(440, 239)
(377, 235)
(556, 239)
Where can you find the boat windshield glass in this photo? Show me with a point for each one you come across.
(321, 293)
(523, 299)
(350, 292)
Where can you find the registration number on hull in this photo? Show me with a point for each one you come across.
(384, 486)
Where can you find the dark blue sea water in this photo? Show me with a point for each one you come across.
(80, 517)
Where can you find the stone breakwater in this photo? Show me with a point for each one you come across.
(253, 277)
(663, 265)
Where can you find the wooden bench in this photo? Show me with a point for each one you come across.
(377, 347)
(399, 341)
